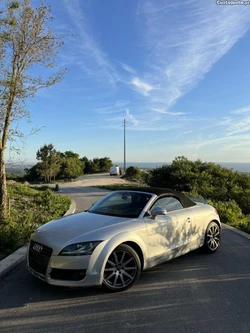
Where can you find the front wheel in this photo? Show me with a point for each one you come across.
(122, 269)
(212, 238)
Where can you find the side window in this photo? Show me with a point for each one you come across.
(168, 203)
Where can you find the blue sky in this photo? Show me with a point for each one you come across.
(177, 71)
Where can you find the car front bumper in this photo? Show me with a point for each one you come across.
(68, 271)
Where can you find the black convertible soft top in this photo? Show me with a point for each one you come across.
(159, 191)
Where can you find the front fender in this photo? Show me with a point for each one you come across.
(214, 217)
(103, 251)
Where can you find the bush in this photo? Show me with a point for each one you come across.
(133, 172)
(14, 176)
(9, 236)
(230, 213)
(30, 208)
(146, 176)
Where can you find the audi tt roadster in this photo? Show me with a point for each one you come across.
(123, 234)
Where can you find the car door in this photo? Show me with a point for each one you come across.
(167, 233)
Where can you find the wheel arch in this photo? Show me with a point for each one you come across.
(127, 238)
(137, 249)
(217, 222)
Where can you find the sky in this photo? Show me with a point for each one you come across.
(177, 71)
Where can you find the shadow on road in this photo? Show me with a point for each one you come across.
(193, 293)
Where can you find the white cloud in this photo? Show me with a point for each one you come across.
(117, 107)
(169, 113)
(131, 118)
(141, 86)
(85, 50)
(127, 68)
(238, 125)
(243, 110)
(184, 40)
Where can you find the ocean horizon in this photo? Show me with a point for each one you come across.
(236, 166)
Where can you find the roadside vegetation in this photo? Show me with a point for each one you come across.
(28, 208)
(133, 173)
(227, 190)
(55, 166)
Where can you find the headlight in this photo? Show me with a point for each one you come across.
(79, 249)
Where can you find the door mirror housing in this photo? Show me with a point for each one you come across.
(157, 211)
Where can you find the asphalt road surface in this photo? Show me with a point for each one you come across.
(196, 293)
(83, 196)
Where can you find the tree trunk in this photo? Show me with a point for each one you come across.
(3, 187)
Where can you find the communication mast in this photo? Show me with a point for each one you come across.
(124, 126)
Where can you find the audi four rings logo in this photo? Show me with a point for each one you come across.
(37, 248)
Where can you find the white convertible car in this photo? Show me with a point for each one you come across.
(123, 234)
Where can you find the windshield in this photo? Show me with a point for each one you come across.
(122, 204)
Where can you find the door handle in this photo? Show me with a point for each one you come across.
(188, 220)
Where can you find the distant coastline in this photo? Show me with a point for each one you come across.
(236, 166)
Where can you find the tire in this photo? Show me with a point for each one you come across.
(212, 238)
(122, 269)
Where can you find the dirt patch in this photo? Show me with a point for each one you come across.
(98, 180)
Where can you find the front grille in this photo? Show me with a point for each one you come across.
(39, 260)
(68, 274)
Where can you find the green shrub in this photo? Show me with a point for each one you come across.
(133, 172)
(9, 235)
(244, 224)
(230, 213)
(146, 176)
(42, 188)
(29, 208)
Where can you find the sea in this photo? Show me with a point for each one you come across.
(236, 166)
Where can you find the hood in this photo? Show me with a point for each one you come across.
(77, 227)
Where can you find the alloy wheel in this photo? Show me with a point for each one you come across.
(122, 269)
(213, 237)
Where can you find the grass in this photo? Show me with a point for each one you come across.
(28, 208)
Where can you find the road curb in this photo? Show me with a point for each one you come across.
(72, 208)
(14, 259)
(239, 232)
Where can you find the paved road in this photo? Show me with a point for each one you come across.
(195, 293)
(83, 196)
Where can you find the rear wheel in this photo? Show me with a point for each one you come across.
(122, 269)
(212, 238)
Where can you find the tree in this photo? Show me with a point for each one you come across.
(71, 165)
(87, 164)
(97, 164)
(70, 153)
(50, 162)
(105, 164)
(26, 42)
(31, 174)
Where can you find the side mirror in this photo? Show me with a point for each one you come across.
(157, 211)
